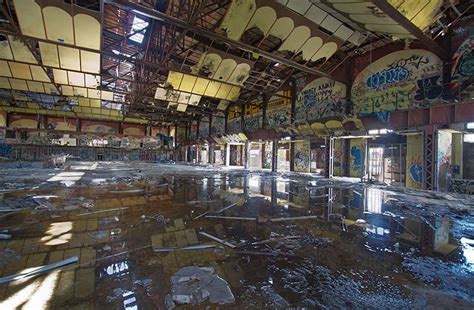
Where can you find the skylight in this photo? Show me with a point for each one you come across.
(138, 25)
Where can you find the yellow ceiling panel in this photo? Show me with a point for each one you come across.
(4, 83)
(83, 102)
(39, 74)
(200, 86)
(35, 86)
(77, 109)
(58, 24)
(67, 90)
(32, 105)
(49, 54)
(80, 91)
(20, 71)
(174, 78)
(18, 84)
(5, 51)
(69, 58)
(5, 69)
(225, 69)
(212, 88)
(224, 91)
(263, 19)
(21, 52)
(187, 83)
(297, 38)
(60, 76)
(30, 18)
(76, 78)
(94, 103)
(107, 95)
(93, 93)
(92, 81)
(181, 107)
(95, 111)
(240, 74)
(87, 31)
(282, 28)
(311, 47)
(86, 110)
(234, 93)
(49, 88)
(90, 62)
(327, 50)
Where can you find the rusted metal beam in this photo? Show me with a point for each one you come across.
(413, 29)
(150, 13)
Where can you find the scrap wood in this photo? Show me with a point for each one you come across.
(102, 211)
(39, 270)
(226, 208)
(185, 248)
(231, 218)
(275, 240)
(201, 215)
(230, 245)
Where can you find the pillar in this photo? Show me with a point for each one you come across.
(274, 155)
(429, 157)
(211, 156)
(227, 154)
(247, 154)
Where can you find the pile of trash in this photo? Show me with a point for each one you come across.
(56, 161)
(194, 285)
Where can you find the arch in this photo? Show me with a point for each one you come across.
(59, 26)
(327, 50)
(263, 19)
(296, 39)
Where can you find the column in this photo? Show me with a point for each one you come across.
(227, 154)
(247, 154)
(274, 155)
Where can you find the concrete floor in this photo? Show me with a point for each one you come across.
(363, 246)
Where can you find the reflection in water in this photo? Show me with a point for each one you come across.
(373, 200)
(119, 269)
(468, 251)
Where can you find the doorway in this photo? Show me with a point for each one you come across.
(386, 163)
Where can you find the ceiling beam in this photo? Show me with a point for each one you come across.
(413, 29)
(150, 13)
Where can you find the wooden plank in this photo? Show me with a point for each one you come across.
(191, 236)
(180, 237)
(157, 241)
(79, 226)
(55, 256)
(87, 256)
(179, 224)
(65, 288)
(91, 224)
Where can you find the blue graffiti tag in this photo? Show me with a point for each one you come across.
(416, 173)
(388, 76)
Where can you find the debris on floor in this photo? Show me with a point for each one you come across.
(196, 285)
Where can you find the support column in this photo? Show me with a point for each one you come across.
(227, 154)
(211, 155)
(329, 164)
(429, 157)
(247, 154)
(292, 155)
(274, 155)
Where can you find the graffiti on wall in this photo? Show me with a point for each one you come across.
(99, 127)
(234, 120)
(218, 124)
(64, 124)
(357, 155)
(204, 127)
(414, 164)
(444, 155)
(193, 131)
(302, 156)
(337, 170)
(463, 66)
(398, 81)
(321, 98)
(278, 113)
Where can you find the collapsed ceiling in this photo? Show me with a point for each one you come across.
(179, 60)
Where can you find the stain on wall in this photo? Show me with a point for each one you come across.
(443, 156)
(321, 98)
(22, 121)
(357, 157)
(134, 129)
(414, 162)
(398, 81)
(302, 156)
(3, 119)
